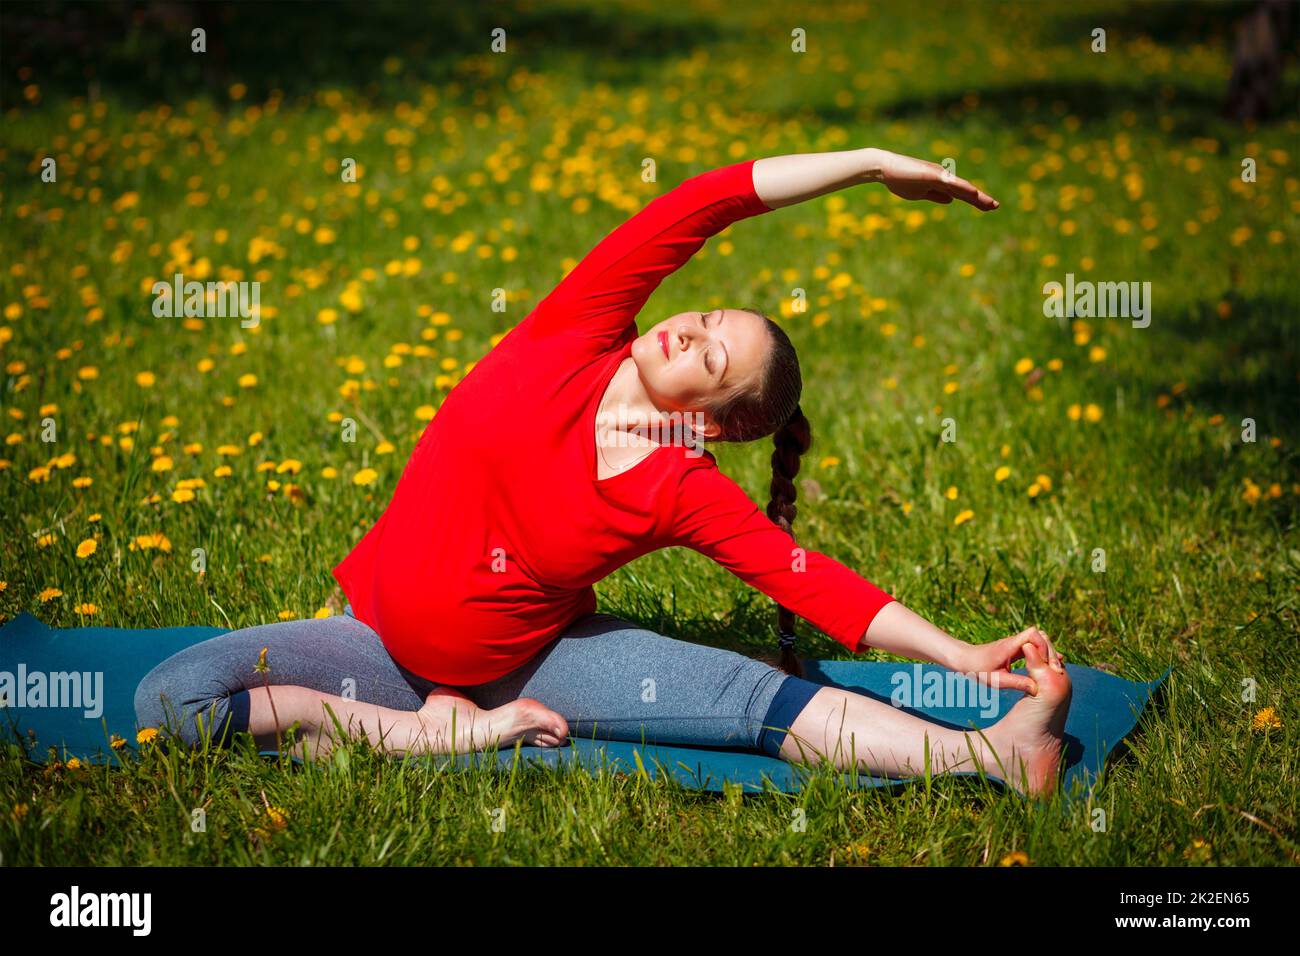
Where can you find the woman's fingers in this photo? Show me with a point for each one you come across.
(1013, 681)
(968, 192)
(1043, 644)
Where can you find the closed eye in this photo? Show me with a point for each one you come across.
(708, 354)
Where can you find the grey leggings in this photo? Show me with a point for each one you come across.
(607, 677)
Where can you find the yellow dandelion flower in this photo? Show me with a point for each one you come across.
(87, 548)
(1092, 412)
(146, 735)
(829, 461)
(385, 448)
(1024, 366)
(277, 818)
(1016, 858)
(291, 465)
(145, 379)
(1002, 474)
(162, 463)
(49, 594)
(1266, 719)
(147, 542)
(182, 495)
(365, 476)
(963, 517)
(951, 493)
(247, 380)
(86, 610)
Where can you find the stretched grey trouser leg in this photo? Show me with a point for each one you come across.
(613, 680)
(336, 655)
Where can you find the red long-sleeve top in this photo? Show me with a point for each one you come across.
(499, 527)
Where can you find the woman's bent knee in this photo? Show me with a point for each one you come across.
(167, 700)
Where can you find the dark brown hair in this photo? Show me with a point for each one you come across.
(770, 406)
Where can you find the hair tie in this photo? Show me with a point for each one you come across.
(786, 638)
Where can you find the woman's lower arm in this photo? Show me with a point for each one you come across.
(903, 632)
(786, 180)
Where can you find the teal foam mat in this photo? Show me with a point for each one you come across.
(1104, 710)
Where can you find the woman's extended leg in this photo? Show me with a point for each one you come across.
(1023, 748)
(614, 680)
(336, 661)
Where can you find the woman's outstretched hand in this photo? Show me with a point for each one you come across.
(912, 178)
(991, 663)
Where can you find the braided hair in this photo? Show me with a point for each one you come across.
(771, 407)
(791, 441)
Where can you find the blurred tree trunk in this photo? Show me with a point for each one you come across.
(1263, 38)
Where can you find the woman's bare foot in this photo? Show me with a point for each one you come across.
(1033, 732)
(476, 729)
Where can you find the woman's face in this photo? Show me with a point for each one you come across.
(693, 359)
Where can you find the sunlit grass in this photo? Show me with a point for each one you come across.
(1071, 436)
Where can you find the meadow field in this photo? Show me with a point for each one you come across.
(1131, 489)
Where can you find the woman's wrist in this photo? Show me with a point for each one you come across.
(901, 631)
(873, 169)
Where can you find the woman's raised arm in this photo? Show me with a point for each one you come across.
(598, 301)
(786, 180)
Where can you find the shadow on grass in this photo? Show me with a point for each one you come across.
(1169, 24)
(1246, 365)
(1194, 113)
(141, 51)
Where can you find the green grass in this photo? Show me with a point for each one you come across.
(1101, 161)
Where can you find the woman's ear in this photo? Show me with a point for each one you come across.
(705, 427)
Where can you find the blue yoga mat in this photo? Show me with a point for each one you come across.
(112, 661)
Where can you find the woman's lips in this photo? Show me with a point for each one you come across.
(663, 343)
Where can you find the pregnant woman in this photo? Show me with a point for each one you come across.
(572, 448)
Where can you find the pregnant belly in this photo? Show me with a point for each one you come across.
(471, 642)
